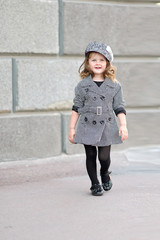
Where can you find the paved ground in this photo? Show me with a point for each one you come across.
(63, 208)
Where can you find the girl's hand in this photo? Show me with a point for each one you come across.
(123, 132)
(71, 135)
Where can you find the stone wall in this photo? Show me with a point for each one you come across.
(41, 49)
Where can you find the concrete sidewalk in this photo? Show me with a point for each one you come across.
(63, 208)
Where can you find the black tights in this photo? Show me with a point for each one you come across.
(91, 164)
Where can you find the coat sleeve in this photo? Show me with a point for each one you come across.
(79, 98)
(118, 101)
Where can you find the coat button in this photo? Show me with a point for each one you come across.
(86, 89)
(102, 122)
(94, 122)
(109, 119)
(102, 98)
(85, 119)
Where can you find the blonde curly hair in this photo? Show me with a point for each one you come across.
(84, 70)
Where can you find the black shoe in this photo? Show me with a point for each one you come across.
(106, 181)
(96, 190)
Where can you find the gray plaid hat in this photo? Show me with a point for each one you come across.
(100, 48)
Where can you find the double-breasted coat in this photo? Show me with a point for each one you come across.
(97, 106)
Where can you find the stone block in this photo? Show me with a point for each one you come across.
(30, 136)
(29, 26)
(6, 85)
(126, 27)
(45, 84)
(140, 81)
(143, 127)
(68, 147)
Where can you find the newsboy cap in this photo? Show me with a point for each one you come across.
(100, 48)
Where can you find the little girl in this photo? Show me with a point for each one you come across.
(98, 98)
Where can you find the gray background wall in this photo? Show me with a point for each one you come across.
(41, 48)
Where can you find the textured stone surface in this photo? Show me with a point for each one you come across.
(68, 147)
(140, 81)
(143, 127)
(46, 84)
(127, 28)
(30, 136)
(29, 26)
(5, 85)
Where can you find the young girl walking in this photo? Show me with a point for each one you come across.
(98, 98)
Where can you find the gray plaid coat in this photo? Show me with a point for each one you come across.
(97, 106)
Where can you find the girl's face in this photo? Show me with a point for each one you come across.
(97, 63)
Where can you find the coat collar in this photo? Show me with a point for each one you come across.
(88, 81)
(107, 81)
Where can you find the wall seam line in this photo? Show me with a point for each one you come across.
(61, 27)
(14, 85)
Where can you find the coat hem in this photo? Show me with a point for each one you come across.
(99, 145)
